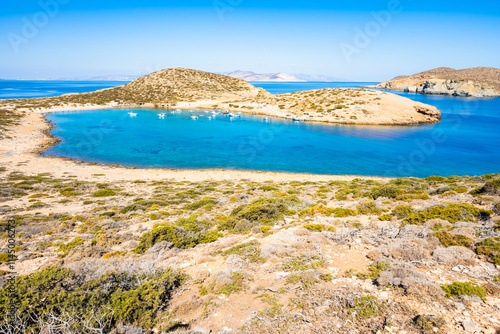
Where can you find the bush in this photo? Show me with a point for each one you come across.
(365, 307)
(66, 248)
(207, 202)
(374, 271)
(448, 239)
(185, 233)
(426, 323)
(368, 208)
(4, 257)
(135, 299)
(463, 288)
(388, 190)
(104, 193)
(491, 187)
(491, 248)
(450, 212)
(262, 210)
(319, 228)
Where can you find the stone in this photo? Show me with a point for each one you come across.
(201, 330)
(469, 326)
(235, 261)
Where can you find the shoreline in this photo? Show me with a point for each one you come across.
(22, 153)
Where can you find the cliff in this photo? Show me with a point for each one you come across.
(472, 82)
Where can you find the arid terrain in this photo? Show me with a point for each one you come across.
(124, 250)
(471, 82)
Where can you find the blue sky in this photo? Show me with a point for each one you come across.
(357, 40)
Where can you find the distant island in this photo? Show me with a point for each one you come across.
(192, 89)
(471, 82)
(251, 76)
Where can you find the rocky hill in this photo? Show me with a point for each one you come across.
(170, 86)
(473, 82)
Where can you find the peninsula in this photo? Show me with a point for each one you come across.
(189, 89)
(471, 82)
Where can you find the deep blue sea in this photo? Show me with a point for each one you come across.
(23, 89)
(466, 142)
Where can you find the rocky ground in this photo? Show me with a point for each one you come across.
(407, 255)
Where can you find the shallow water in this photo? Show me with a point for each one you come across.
(466, 142)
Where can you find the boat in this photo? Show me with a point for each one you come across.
(162, 115)
(265, 118)
(132, 114)
(210, 117)
(194, 117)
(297, 119)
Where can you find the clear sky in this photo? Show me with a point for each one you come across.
(83, 38)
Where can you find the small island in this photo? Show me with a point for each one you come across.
(471, 82)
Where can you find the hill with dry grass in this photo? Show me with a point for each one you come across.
(474, 82)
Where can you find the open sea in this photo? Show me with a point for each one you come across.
(466, 142)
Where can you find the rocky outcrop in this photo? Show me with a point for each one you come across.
(474, 82)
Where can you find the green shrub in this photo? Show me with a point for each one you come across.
(104, 193)
(4, 257)
(403, 211)
(451, 212)
(237, 284)
(319, 228)
(262, 210)
(207, 202)
(463, 288)
(426, 323)
(491, 187)
(185, 233)
(66, 248)
(365, 307)
(388, 190)
(374, 271)
(448, 239)
(491, 248)
(368, 208)
(135, 299)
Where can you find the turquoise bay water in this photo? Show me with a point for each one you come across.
(466, 142)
